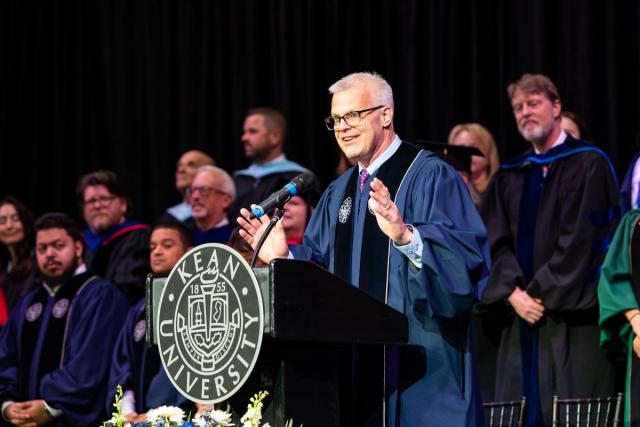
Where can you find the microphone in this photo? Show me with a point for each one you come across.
(298, 185)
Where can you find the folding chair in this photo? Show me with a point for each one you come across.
(505, 414)
(591, 412)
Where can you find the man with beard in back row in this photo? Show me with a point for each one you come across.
(549, 214)
(117, 247)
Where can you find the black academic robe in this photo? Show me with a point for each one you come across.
(58, 348)
(123, 259)
(432, 382)
(15, 286)
(569, 230)
(214, 235)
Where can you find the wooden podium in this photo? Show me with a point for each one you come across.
(313, 319)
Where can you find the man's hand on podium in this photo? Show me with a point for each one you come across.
(252, 230)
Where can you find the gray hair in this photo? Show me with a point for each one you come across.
(379, 89)
(226, 181)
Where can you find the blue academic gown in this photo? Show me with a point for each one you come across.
(437, 299)
(78, 385)
(215, 235)
(138, 368)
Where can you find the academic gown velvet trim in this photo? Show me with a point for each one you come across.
(580, 200)
(78, 387)
(507, 273)
(568, 148)
(437, 298)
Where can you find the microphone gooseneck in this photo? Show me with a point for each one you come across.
(272, 223)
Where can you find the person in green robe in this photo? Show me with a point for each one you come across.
(618, 294)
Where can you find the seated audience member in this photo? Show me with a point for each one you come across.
(297, 213)
(117, 247)
(263, 139)
(56, 348)
(17, 266)
(135, 367)
(619, 297)
(210, 196)
(482, 168)
(296, 216)
(186, 169)
(573, 125)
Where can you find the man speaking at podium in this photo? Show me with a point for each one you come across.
(401, 226)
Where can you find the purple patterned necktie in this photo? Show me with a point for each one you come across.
(364, 176)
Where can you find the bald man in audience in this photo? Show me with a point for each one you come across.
(186, 169)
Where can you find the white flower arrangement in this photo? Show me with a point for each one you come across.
(117, 417)
(166, 416)
(171, 416)
(253, 416)
(213, 417)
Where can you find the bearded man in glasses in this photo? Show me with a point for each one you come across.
(401, 226)
(117, 247)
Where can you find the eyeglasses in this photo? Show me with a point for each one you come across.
(204, 191)
(103, 202)
(352, 118)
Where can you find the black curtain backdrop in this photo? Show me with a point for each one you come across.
(130, 85)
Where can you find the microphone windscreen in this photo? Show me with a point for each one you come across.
(303, 181)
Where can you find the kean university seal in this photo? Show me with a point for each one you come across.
(210, 323)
